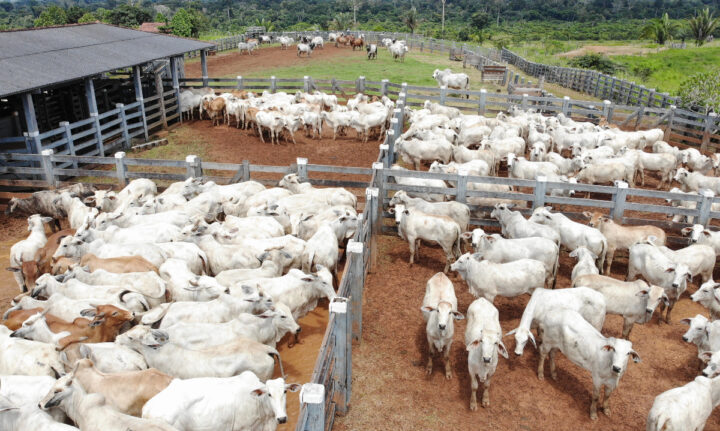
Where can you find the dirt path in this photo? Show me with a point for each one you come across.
(232, 63)
(391, 391)
(610, 50)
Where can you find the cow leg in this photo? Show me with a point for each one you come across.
(553, 374)
(412, 244)
(486, 393)
(446, 359)
(606, 401)
(429, 366)
(669, 310)
(260, 133)
(627, 327)
(541, 363)
(19, 280)
(609, 259)
(56, 225)
(473, 391)
(593, 403)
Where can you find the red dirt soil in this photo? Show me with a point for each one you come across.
(233, 63)
(392, 392)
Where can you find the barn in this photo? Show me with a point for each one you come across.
(87, 89)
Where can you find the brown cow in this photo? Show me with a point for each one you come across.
(128, 391)
(60, 265)
(16, 318)
(42, 264)
(117, 265)
(105, 326)
(358, 43)
(215, 109)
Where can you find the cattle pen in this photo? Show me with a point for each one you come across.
(330, 389)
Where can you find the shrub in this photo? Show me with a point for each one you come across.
(597, 62)
(702, 90)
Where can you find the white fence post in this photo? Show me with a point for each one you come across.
(356, 251)
(462, 178)
(565, 105)
(273, 84)
(313, 394)
(343, 350)
(539, 191)
(621, 190)
(524, 102)
(483, 101)
(443, 94)
(123, 122)
(608, 110)
(705, 207)
(71, 143)
(384, 86)
(194, 166)
(306, 84)
(120, 168)
(668, 129)
(47, 166)
(240, 82)
(302, 169)
(389, 147)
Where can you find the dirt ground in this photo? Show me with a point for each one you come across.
(610, 50)
(232, 63)
(392, 392)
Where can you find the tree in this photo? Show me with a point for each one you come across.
(159, 17)
(128, 16)
(341, 21)
(87, 17)
(74, 13)
(181, 23)
(595, 61)
(264, 22)
(480, 20)
(702, 25)
(702, 90)
(411, 19)
(53, 15)
(660, 30)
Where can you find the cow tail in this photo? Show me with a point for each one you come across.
(601, 258)
(555, 268)
(203, 260)
(467, 87)
(458, 243)
(276, 355)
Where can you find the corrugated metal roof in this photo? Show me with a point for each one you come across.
(32, 59)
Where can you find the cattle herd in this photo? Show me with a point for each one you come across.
(524, 259)
(163, 310)
(149, 313)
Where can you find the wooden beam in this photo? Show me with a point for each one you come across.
(203, 63)
(137, 74)
(31, 123)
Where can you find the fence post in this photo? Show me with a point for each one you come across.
(361, 84)
(246, 170)
(612, 89)
(608, 110)
(302, 169)
(443, 94)
(461, 188)
(240, 83)
(389, 148)
(565, 105)
(403, 92)
(306, 84)
(616, 212)
(343, 348)
(47, 166)
(640, 115)
(69, 139)
(524, 102)
(194, 166)
(539, 191)
(356, 252)
(123, 121)
(668, 128)
(379, 183)
(273, 84)
(483, 101)
(120, 168)
(371, 208)
(705, 207)
(384, 87)
(709, 121)
(313, 395)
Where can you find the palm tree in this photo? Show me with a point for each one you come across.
(412, 20)
(263, 22)
(341, 21)
(702, 25)
(660, 29)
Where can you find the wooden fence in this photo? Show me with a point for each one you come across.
(681, 126)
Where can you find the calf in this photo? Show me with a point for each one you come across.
(486, 279)
(585, 262)
(42, 264)
(704, 334)
(128, 391)
(621, 237)
(708, 295)
(685, 408)
(118, 265)
(483, 341)
(699, 235)
(215, 110)
(42, 202)
(694, 181)
(414, 225)
(586, 347)
(699, 258)
(439, 311)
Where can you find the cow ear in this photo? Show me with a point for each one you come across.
(293, 387)
(502, 350)
(466, 235)
(307, 279)
(96, 322)
(427, 309)
(608, 348)
(13, 269)
(391, 210)
(705, 356)
(635, 357)
(706, 232)
(473, 345)
(685, 231)
(671, 269)
(587, 214)
(458, 315)
(258, 392)
(686, 321)
(642, 293)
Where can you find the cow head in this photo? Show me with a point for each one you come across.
(707, 293)
(489, 345)
(445, 314)
(653, 296)
(522, 335)
(276, 391)
(620, 351)
(713, 364)
(61, 390)
(695, 333)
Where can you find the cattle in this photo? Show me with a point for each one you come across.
(107, 357)
(25, 250)
(29, 358)
(694, 181)
(457, 81)
(42, 263)
(585, 262)
(514, 225)
(250, 47)
(238, 403)
(700, 235)
(117, 265)
(606, 358)
(371, 49)
(415, 225)
(709, 297)
(454, 210)
(483, 341)
(687, 407)
(487, 279)
(305, 48)
(704, 334)
(439, 309)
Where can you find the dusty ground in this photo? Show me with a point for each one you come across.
(610, 50)
(232, 63)
(392, 392)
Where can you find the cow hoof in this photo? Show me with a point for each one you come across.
(607, 411)
(428, 370)
(473, 406)
(554, 376)
(486, 403)
(448, 376)
(593, 416)
(541, 377)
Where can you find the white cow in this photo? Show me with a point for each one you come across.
(685, 408)
(439, 310)
(483, 341)
(486, 279)
(446, 78)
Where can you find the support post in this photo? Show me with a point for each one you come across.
(120, 168)
(566, 105)
(371, 208)
(92, 108)
(137, 72)
(69, 139)
(123, 122)
(640, 115)
(357, 267)
(176, 85)
(524, 102)
(384, 87)
(389, 147)
(483, 101)
(31, 122)
(443, 94)
(710, 121)
(240, 82)
(306, 84)
(343, 346)
(159, 90)
(47, 166)
(302, 169)
(313, 395)
(194, 166)
(539, 191)
(380, 185)
(668, 128)
(607, 110)
(273, 84)
(361, 84)
(403, 92)
(705, 206)
(461, 186)
(621, 189)
(246, 170)
(203, 65)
